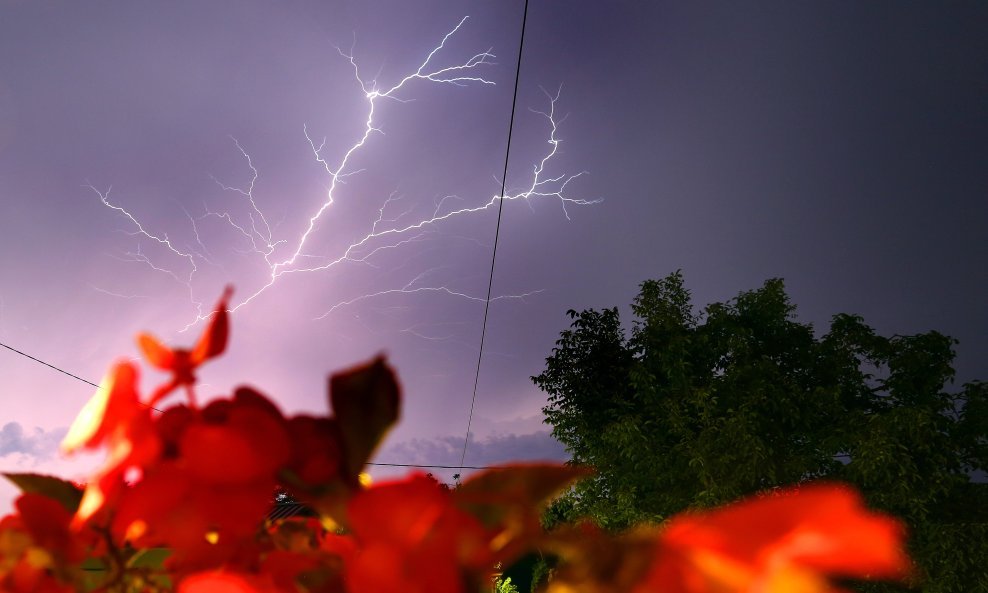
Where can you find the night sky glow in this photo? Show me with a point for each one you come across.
(339, 163)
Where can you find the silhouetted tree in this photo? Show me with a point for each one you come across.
(697, 409)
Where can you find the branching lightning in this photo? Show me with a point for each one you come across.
(162, 240)
(117, 294)
(395, 227)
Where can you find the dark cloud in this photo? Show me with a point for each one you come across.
(37, 443)
(493, 450)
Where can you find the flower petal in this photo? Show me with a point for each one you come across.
(213, 340)
(223, 582)
(112, 405)
(766, 543)
(157, 353)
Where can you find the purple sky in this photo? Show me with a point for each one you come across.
(839, 145)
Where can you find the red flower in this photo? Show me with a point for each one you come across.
(225, 582)
(305, 558)
(244, 439)
(412, 539)
(316, 450)
(36, 544)
(183, 363)
(212, 487)
(778, 543)
(329, 454)
(47, 522)
(115, 418)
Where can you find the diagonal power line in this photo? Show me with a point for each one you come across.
(88, 382)
(497, 230)
(49, 365)
(63, 371)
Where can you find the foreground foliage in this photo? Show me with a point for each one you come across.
(181, 501)
(693, 410)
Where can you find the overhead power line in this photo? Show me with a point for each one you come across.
(63, 371)
(87, 382)
(441, 466)
(497, 230)
(49, 365)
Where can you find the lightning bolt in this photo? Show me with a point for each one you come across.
(117, 294)
(162, 241)
(395, 227)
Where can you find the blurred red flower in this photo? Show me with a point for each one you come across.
(114, 418)
(411, 538)
(225, 582)
(36, 542)
(205, 498)
(183, 363)
(790, 541)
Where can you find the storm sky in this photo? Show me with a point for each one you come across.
(841, 146)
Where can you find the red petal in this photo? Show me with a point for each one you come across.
(157, 353)
(171, 425)
(315, 449)
(100, 494)
(213, 340)
(222, 582)
(242, 440)
(48, 523)
(815, 529)
(402, 512)
(378, 568)
(284, 567)
(217, 454)
(113, 404)
(417, 516)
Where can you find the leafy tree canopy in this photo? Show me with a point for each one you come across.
(695, 409)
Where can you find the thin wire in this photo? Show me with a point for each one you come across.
(497, 230)
(49, 365)
(441, 466)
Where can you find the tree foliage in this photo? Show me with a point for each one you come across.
(690, 410)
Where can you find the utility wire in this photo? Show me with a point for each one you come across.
(86, 381)
(441, 466)
(48, 365)
(497, 230)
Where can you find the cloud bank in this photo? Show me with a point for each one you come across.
(493, 450)
(38, 444)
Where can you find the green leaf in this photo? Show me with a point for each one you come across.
(66, 493)
(94, 574)
(93, 565)
(149, 558)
